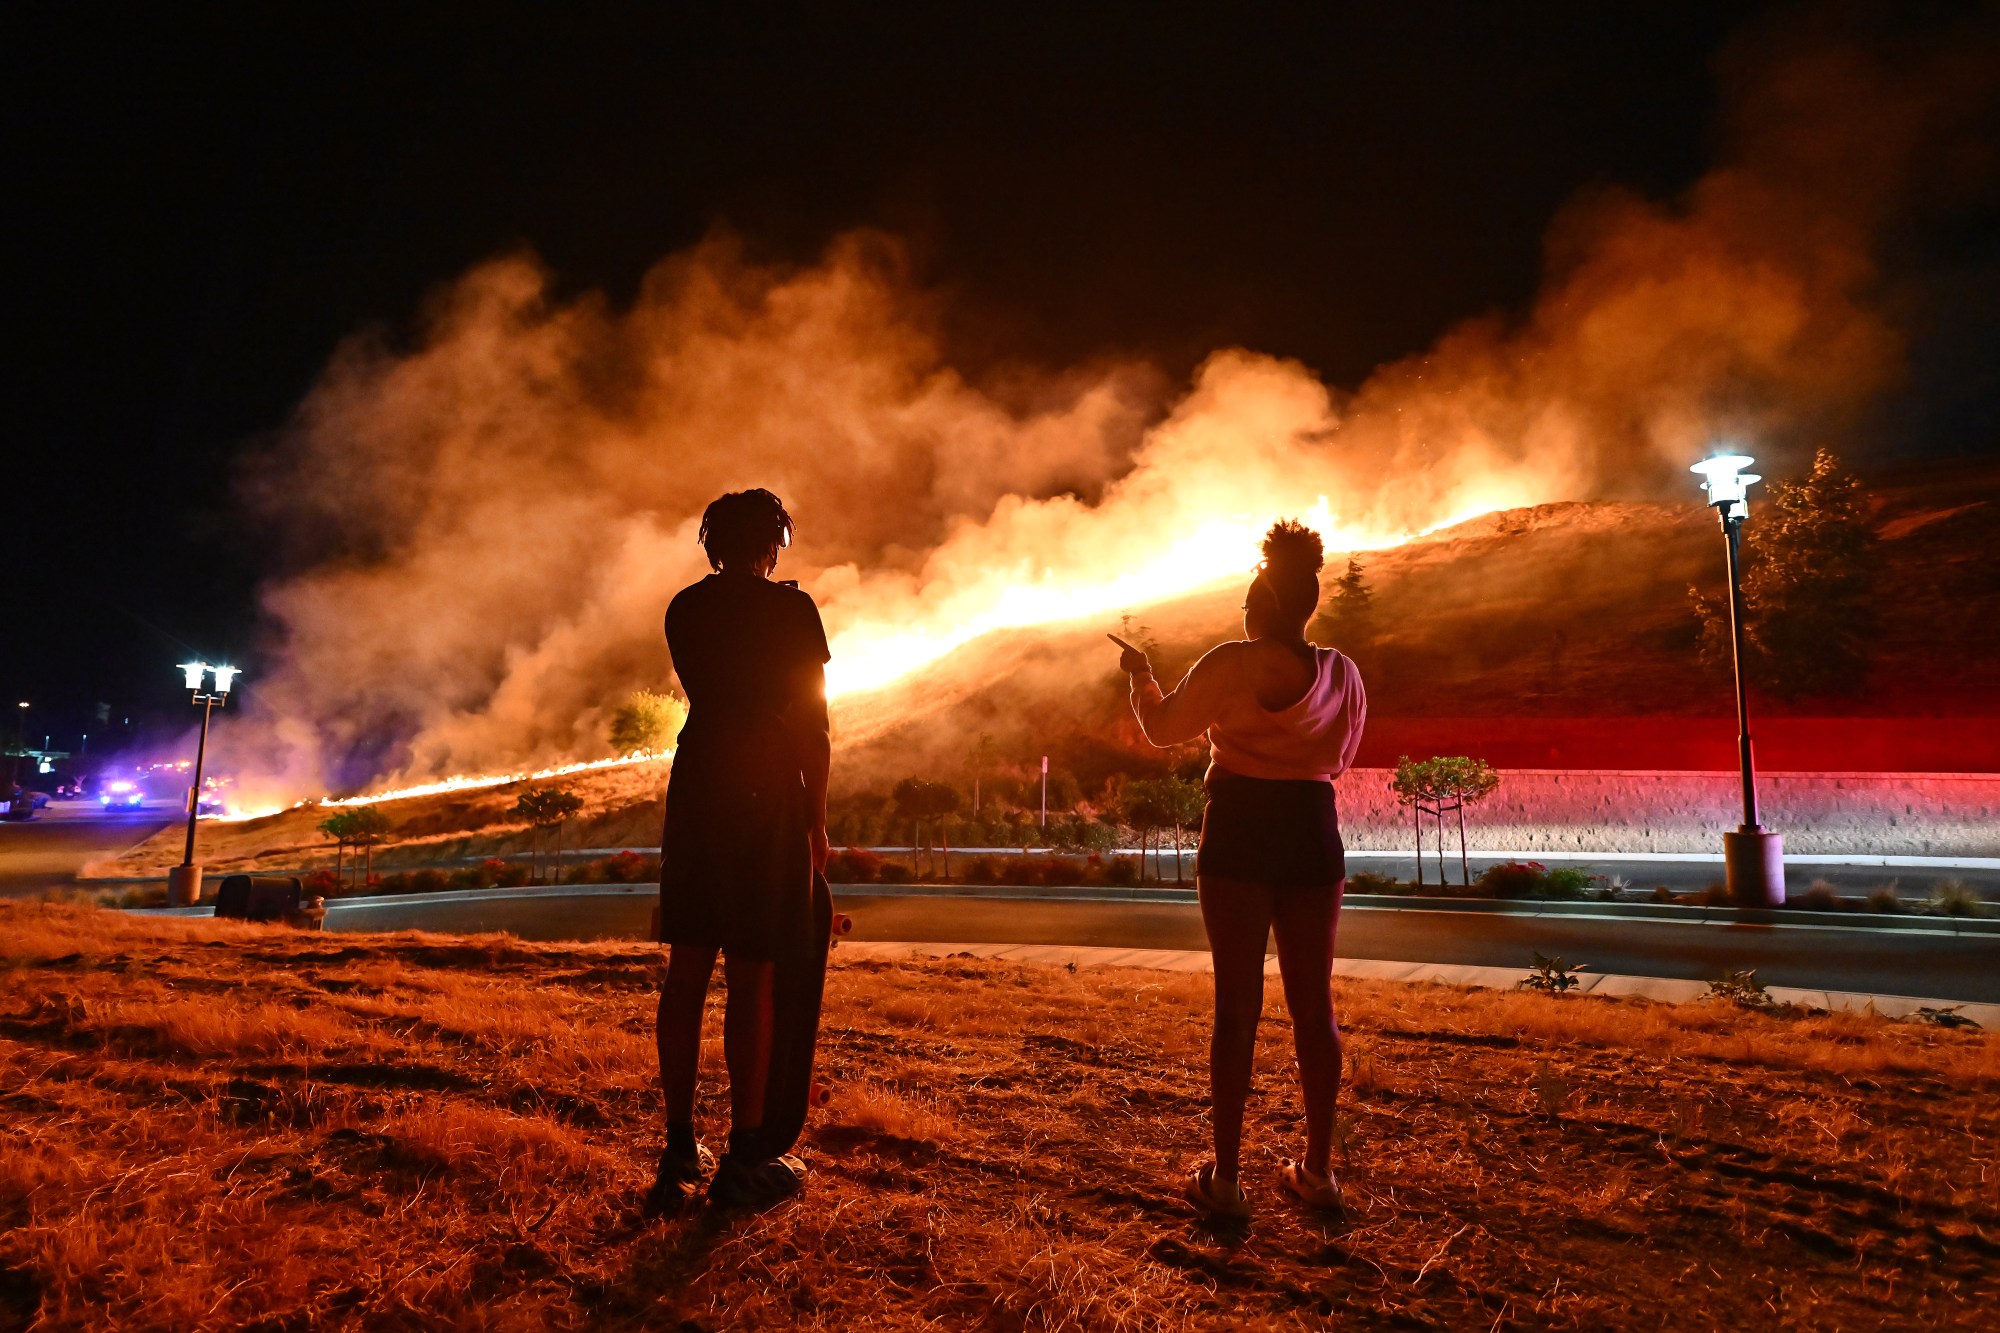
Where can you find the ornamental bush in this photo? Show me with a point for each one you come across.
(1511, 879)
(854, 865)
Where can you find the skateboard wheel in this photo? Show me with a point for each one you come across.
(820, 1094)
(842, 923)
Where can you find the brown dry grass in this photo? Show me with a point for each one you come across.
(214, 1126)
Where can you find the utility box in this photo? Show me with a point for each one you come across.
(260, 897)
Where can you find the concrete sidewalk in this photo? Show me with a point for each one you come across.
(1445, 974)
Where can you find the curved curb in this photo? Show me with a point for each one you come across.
(1661, 913)
(1664, 989)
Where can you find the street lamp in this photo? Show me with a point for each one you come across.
(184, 880)
(1753, 860)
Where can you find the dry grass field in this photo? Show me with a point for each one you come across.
(206, 1125)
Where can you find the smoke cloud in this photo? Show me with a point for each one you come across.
(484, 528)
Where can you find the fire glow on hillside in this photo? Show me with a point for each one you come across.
(870, 656)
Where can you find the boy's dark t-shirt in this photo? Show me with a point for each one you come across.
(735, 863)
(749, 653)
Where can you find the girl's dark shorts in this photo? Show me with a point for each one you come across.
(1270, 832)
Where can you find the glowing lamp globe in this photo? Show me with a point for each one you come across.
(194, 672)
(224, 675)
(1727, 484)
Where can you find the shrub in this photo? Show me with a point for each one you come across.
(395, 882)
(1884, 898)
(471, 877)
(428, 880)
(321, 884)
(1564, 882)
(1057, 871)
(506, 874)
(1715, 895)
(1367, 881)
(984, 870)
(1064, 870)
(1074, 833)
(1817, 897)
(857, 865)
(1511, 879)
(1122, 870)
(1954, 897)
(1662, 894)
(628, 867)
(893, 872)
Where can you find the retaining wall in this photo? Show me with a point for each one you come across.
(1869, 814)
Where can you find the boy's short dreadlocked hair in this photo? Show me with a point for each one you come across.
(744, 525)
(1293, 557)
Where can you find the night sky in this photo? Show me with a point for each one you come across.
(202, 201)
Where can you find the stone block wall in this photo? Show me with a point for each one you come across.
(1547, 810)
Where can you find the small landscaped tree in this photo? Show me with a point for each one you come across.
(366, 827)
(1441, 786)
(1152, 805)
(1139, 809)
(1184, 799)
(927, 805)
(335, 826)
(647, 723)
(359, 827)
(543, 808)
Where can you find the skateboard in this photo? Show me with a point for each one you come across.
(819, 1094)
(796, 990)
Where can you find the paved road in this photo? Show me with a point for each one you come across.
(1853, 877)
(1902, 962)
(46, 852)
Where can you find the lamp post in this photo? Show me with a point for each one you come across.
(1753, 859)
(184, 880)
(20, 744)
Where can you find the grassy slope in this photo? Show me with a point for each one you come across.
(1566, 610)
(207, 1126)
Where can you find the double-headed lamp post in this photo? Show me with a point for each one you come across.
(1753, 859)
(184, 880)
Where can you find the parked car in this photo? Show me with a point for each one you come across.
(16, 803)
(69, 789)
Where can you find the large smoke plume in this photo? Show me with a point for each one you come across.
(487, 526)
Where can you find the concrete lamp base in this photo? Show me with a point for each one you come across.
(1754, 865)
(183, 886)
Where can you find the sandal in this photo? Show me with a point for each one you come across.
(675, 1178)
(755, 1185)
(1310, 1188)
(1213, 1198)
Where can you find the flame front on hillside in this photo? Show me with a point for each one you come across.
(869, 656)
(463, 782)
